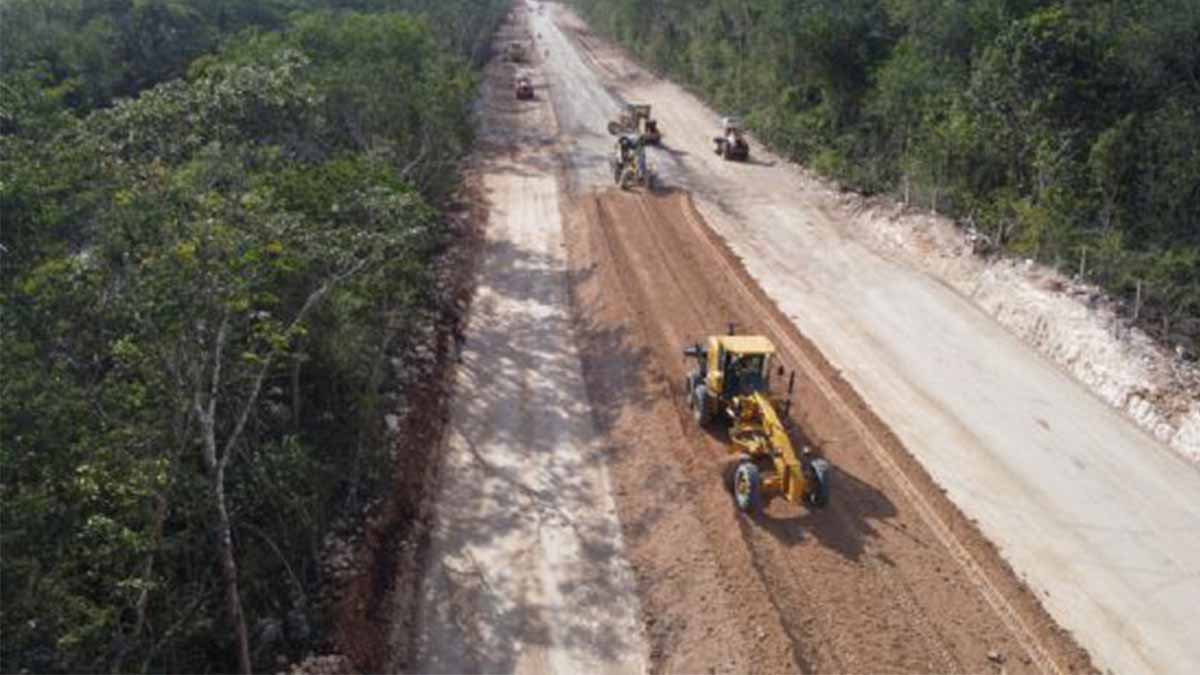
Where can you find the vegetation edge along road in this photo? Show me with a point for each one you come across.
(224, 226)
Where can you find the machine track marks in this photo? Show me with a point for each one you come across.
(875, 582)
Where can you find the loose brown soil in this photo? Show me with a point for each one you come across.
(890, 578)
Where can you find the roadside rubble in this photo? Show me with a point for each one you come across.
(1073, 323)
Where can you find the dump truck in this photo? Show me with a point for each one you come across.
(731, 383)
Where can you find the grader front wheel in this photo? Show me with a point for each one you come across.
(747, 488)
(699, 402)
(628, 179)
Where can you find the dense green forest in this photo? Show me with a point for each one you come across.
(221, 223)
(1065, 131)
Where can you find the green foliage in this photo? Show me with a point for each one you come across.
(237, 255)
(91, 53)
(97, 51)
(1061, 128)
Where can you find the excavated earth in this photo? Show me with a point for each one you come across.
(889, 578)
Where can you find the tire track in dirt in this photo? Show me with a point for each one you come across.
(867, 585)
(1078, 505)
(979, 578)
(787, 590)
(710, 617)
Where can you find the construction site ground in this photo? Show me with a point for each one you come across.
(889, 579)
(581, 520)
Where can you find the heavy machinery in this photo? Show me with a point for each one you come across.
(515, 52)
(629, 164)
(731, 144)
(524, 89)
(636, 120)
(731, 381)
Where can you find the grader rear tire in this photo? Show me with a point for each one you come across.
(822, 472)
(700, 405)
(729, 471)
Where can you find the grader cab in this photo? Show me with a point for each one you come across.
(732, 383)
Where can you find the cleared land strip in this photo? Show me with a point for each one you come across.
(525, 569)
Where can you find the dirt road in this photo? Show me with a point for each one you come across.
(581, 522)
(526, 571)
(1100, 519)
(867, 585)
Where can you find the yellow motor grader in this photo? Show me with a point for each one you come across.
(629, 165)
(731, 383)
(636, 120)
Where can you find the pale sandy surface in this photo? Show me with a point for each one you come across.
(526, 567)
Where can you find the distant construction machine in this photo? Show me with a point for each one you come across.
(636, 120)
(629, 165)
(524, 88)
(515, 52)
(731, 144)
(731, 381)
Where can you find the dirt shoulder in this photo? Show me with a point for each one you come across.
(377, 589)
(525, 570)
(1072, 323)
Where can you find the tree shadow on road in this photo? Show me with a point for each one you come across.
(522, 473)
(674, 152)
